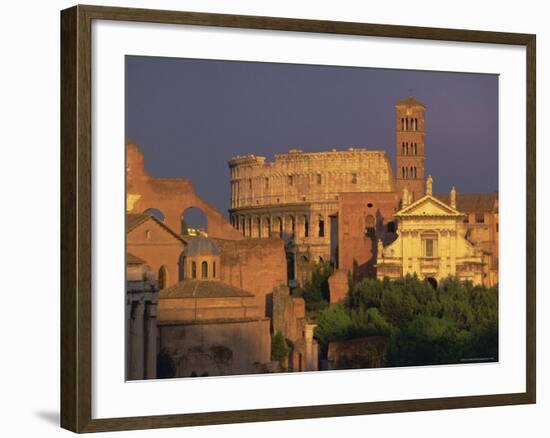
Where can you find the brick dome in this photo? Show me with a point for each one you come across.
(201, 246)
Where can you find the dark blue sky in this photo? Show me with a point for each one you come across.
(191, 116)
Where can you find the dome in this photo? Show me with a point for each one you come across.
(201, 246)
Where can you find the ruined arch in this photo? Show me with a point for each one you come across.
(193, 222)
(171, 196)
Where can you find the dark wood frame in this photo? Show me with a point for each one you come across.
(76, 324)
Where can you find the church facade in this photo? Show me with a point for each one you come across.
(430, 243)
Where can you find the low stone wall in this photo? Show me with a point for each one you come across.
(215, 349)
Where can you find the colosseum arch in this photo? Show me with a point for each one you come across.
(321, 226)
(279, 226)
(290, 226)
(303, 226)
(257, 227)
(266, 226)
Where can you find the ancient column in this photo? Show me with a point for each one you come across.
(137, 341)
(151, 347)
(128, 339)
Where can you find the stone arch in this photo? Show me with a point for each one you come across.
(257, 227)
(304, 226)
(266, 226)
(204, 269)
(290, 228)
(171, 196)
(279, 226)
(155, 212)
(242, 221)
(193, 222)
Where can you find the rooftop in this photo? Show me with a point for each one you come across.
(409, 101)
(131, 259)
(201, 246)
(470, 202)
(133, 220)
(203, 289)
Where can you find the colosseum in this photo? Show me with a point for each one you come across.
(296, 197)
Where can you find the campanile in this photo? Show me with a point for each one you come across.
(409, 130)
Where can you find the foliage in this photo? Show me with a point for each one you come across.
(458, 322)
(333, 324)
(279, 348)
(315, 291)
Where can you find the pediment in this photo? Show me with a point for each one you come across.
(428, 206)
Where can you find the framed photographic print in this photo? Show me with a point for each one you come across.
(270, 218)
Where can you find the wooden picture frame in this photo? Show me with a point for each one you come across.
(76, 217)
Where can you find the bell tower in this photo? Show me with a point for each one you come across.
(409, 156)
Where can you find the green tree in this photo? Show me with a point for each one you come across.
(455, 323)
(424, 341)
(333, 324)
(315, 292)
(279, 349)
